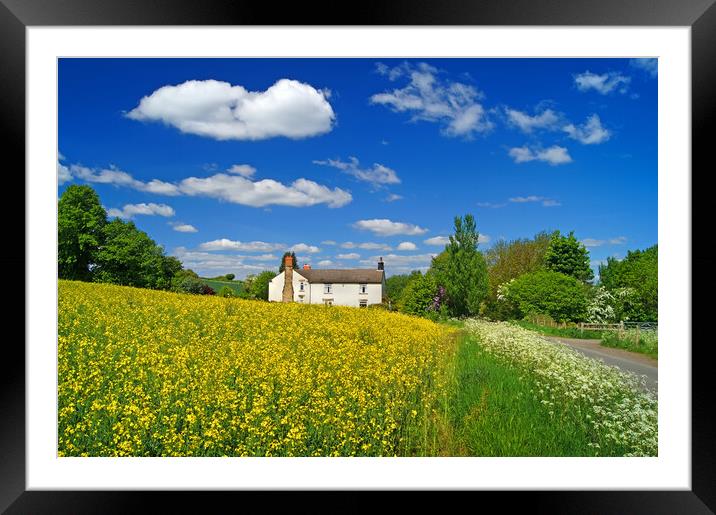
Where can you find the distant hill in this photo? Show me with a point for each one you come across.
(216, 285)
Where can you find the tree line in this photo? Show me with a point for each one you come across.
(547, 275)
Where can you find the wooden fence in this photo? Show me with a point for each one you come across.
(620, 328)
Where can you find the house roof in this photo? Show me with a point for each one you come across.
(359, 275)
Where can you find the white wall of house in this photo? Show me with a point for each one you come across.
(342, 294)
(276, 288)
(346, 294)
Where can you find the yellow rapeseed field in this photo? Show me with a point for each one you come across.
(150, 373)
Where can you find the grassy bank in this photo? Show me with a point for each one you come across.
(646, 343)
(568, 332)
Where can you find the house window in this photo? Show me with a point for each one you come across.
(327, 288)
(328, 302)
(300, 286)
(363, 303)
(363, 288)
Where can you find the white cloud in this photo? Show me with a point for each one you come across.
(302, 247)
(247, 171)
(554, 155)
(328, 242)
(649, 65)
(239, 190)
(592, 242)
(218, 110)
(437, 240)
(547, 119)
(63, 173)
(230, 188)
(427, 97)
(589, 133)
(393, 197)
(385, 227)
(351, 255)
(483, 238)
(249, 246)
(377, 175)
(179, 227)
(546, 202)
(406, 245)
(325, 262)
(492, 205)
(151, 209)
(602, 83)
(211, 264)
(367, 246)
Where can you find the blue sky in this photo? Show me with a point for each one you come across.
(229, 162)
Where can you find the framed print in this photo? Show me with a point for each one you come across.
(206, 154)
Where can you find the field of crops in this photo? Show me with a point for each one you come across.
(149, 373)
(216, 285)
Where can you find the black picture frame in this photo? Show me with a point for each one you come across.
(699, 15)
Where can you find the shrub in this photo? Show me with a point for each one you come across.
(552, 293)
(206, 290)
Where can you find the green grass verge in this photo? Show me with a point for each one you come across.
(492, 411)
(569, 332)
(648, 343)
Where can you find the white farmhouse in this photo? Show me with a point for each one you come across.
(355, 287)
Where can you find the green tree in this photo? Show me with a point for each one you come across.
(230, 277)
(130, 257)
(550, 293)
(637, 276)
(417, 296)
(509, 260)
(80, 222)
(226, 291)
(395, 284)
(260, 285)
(462, 270)
(568, 256)
(282, 265)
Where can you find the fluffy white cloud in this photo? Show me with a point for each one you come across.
(249, 246)
(302, 247)
(231, 188)
(243, 170)
(367, 246)
(649, 65)
(493, 205)
(554, 155)
(592, 242)
(325, 262)
(406, 245)
(221, 111)
(63, 174)
(151, 209)
(437, 241)
(547, 119)
(377, 175)
(589, 133)
(350, 255)
(393, 197)
(393, 261)
(240, 190)
(602, 83)
(453, 104)
(385, 227)
(179, 227)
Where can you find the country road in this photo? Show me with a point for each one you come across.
(629, 361)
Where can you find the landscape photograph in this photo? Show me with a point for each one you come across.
(375, 257)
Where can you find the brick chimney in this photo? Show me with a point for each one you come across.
(287, 295)
(381, 264)
(306, 266)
